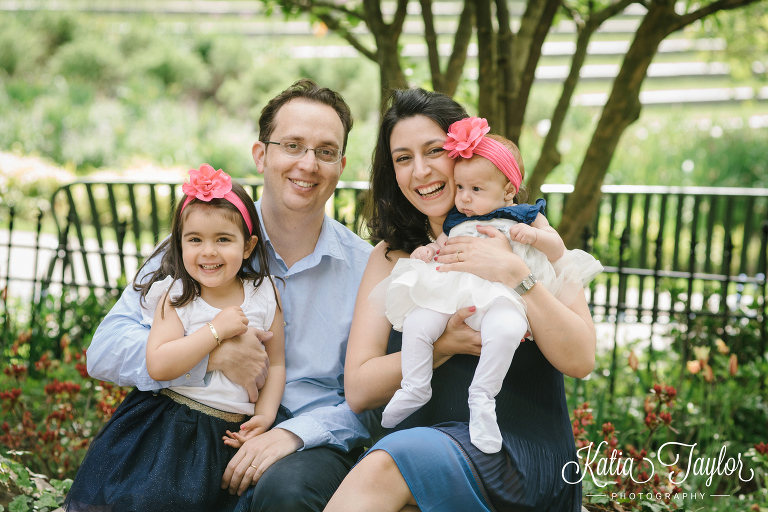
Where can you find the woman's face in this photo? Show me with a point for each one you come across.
(423, 169)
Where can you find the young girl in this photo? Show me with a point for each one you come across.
(163, 450)
(419, 300)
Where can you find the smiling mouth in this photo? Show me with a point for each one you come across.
(302, 184)
(211, 267)
(430, 191)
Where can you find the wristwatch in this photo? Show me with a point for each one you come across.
(526, 284)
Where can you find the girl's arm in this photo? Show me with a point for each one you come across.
(272, 393)
(371, 376)
(170, 354)
(540, 235)
(427, 252)
(565, 334)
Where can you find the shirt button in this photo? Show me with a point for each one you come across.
(187, 376)
(285, 323)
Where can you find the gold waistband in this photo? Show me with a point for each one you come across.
(208, 411)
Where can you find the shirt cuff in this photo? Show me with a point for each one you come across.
(309, 430)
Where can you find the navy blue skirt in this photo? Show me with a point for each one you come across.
(156, 455)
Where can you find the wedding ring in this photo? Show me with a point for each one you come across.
(254, 467)
(458, 258)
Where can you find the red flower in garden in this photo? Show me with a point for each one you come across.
(762, 448)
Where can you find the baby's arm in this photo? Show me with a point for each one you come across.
(170, 354)
(271, 394)
(427, 252)
(540, 235)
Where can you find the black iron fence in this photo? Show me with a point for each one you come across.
(670, 254)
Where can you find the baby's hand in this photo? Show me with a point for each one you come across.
(423, 253)
(523, 233)
(230, 322)
(248, 430)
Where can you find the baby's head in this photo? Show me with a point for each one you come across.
(489, 174)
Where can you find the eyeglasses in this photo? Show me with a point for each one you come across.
(325, 154)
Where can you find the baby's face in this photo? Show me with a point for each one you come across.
(480, 187)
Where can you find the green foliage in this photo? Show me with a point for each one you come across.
(89, 59)
(20, 49)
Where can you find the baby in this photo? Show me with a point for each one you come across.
(420, 300)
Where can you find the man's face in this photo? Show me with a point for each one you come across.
(300, 185)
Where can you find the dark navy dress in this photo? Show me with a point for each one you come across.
(526, 475)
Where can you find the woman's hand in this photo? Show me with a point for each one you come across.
(458, 338)
(489, 258)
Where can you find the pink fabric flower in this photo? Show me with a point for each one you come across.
(465, 135)
(207, 183)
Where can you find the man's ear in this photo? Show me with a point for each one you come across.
(259, 152)
(509, 191)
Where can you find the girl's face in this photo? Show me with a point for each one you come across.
(423, 169)
(213, 246)
(480, 187)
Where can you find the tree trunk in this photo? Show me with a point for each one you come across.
(387, 36)
(486, 63)
(506, 79)
(622, 109)
(460, 45)
(550, 156)
(517, 113)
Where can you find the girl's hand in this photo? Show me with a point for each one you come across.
(523, 233)
(490, 258)
(248, 430)
(424, 253)
(230, 322)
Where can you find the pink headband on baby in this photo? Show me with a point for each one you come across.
(206, 184)
(467, 138)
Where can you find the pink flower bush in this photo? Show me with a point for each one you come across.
(465, 135)
(207, 183)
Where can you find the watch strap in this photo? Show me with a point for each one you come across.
(526, 284)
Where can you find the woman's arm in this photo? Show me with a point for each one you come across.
(170, 354)
(371, 376)
(565, 334)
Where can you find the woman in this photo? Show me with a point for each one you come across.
(438, 468)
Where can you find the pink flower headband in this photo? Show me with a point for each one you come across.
(467, 138)
(206, 184)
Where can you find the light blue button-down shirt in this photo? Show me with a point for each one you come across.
(318, 297)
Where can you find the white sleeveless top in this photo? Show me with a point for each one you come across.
(219, 392)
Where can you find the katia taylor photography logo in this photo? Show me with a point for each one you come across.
(679, 458)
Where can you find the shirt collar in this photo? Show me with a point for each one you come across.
(328, 244)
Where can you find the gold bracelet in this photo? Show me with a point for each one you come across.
(215, 334)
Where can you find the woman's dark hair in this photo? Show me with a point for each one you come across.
(390, 216)
(172, 263)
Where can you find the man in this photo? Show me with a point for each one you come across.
(298, 464)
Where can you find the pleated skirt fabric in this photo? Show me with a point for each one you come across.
(155, 455)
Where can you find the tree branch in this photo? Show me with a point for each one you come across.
(720, 5)
(335, 25)
(402, 11)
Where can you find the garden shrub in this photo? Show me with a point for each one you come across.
(88, 59)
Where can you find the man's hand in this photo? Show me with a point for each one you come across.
(256, 456)
(243, 360)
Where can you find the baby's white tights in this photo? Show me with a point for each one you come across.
(501, 330)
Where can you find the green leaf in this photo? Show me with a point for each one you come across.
(49, 500)
(62, 486)
(19, 504)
